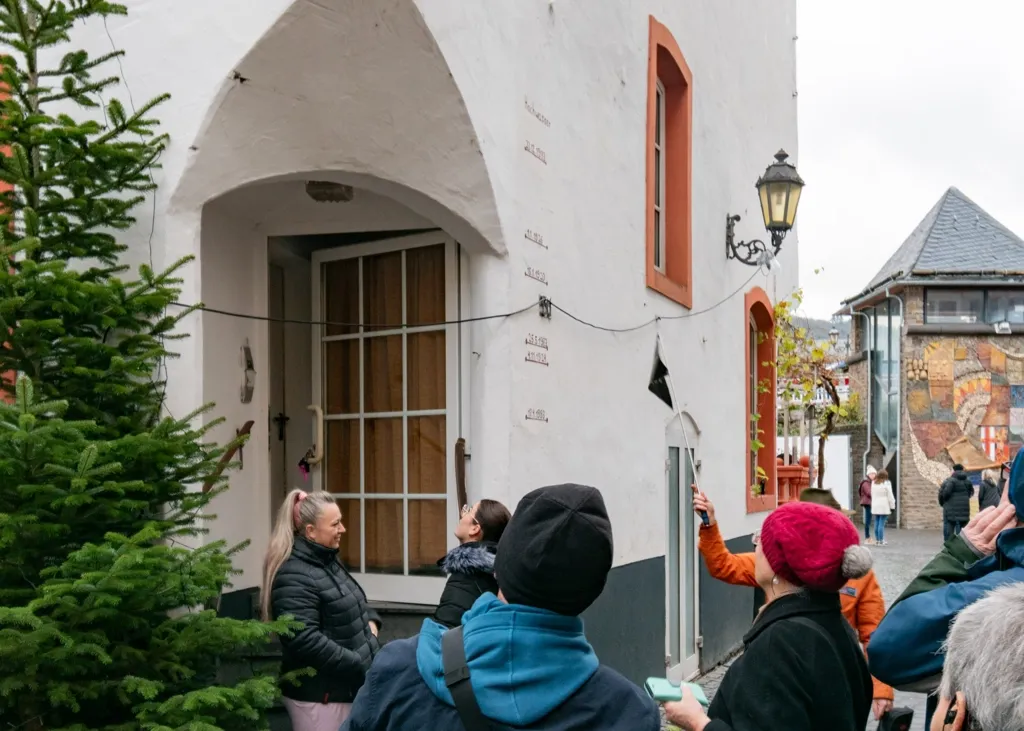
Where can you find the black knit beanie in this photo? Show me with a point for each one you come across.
(557, 550)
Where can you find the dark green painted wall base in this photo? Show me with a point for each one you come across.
(726, 612)
(626, 625)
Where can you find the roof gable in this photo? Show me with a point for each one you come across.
(956, 236)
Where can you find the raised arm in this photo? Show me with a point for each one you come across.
(736, 569)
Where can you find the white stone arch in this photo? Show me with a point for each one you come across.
(684, 429)
(353, 92)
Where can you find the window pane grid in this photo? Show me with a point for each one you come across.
(384, 333)
(951, 306)
(429, 372)
(1004, 305)
(392, 495)
(405, 421)
(974, 306)
(362, 430)
(659, 179)
(753, 402)
(384, 414)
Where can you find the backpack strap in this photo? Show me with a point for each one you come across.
(456, 679)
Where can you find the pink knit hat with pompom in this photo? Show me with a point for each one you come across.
(813, 546)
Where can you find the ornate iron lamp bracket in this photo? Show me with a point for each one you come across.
(752, 253)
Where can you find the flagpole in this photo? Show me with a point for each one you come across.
(678, 408)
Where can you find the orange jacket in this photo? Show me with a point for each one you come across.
(861, 599)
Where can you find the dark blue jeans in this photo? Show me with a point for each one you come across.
(950, 528)
(867, 521)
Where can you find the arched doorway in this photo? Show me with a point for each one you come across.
(357, 100)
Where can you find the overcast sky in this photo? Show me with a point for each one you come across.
(898, 101)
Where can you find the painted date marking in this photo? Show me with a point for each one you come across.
(537, 274)
(536, 152)
(535, 238)
(535, 356)
(537, 341)
(533, 110)
(536, 415)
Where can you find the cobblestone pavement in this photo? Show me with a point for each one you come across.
(896, 565)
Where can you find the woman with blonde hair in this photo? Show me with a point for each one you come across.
(303, 577)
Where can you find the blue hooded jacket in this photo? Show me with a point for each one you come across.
(906, 649)
(530, 669)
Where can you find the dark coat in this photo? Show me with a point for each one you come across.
(865, 492)
(955, 498)
(470, 570)
(989, 495)
(795, 676)
(530, 670)
(316, 589)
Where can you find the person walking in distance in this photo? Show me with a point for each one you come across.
(955, 498)
(303, 577)
(860, 599)
(470, 565)
(883, 502)
(865, 500)
(990, 491)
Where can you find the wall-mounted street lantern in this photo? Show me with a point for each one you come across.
(833, 337)
(779, 192)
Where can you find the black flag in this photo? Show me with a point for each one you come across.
(658, 384)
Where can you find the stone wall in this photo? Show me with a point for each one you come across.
(913, 306)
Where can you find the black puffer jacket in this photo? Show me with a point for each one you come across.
(314, 588)
(470, 569)
(955, 498)
(989, 495)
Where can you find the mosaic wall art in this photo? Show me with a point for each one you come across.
(963, 387)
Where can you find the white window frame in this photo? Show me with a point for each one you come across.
(660, 249)
(402, 588)
(682, 667)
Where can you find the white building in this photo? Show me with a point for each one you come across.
(497, 152)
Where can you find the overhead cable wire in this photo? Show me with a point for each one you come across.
(542, 301)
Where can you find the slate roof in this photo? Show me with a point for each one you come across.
(956, 238)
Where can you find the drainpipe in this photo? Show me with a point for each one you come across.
(899, 404)
(869, 333)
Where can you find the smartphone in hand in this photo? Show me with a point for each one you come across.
(665, 691)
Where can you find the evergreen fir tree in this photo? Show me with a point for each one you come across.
(101, 619)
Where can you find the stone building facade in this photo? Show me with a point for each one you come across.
(940, 337)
